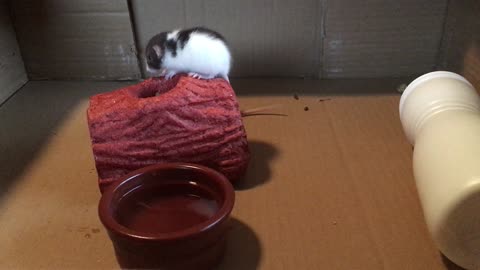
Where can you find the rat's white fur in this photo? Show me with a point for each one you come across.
(202, 57)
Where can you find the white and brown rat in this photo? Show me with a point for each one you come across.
(200, 52)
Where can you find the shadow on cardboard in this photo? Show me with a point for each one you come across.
(259, 171)
(243, 248)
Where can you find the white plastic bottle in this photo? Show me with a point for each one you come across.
(440, 114)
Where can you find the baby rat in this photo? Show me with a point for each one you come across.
(200, 52)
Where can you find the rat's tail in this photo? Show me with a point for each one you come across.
(266, 110)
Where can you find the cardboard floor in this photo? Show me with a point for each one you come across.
(330, 186)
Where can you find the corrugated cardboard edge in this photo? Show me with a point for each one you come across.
(12, 70)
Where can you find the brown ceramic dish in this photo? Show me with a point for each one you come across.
(168, 216)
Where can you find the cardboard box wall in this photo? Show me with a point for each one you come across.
(104, 40)
(310, 38)
(86, 39)
(12, 71)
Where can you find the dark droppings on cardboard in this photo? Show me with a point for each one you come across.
(295, 96)
(324, 99)
(306, 108)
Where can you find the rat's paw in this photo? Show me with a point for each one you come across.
(200, 76)
(194, 75)
(170, 74)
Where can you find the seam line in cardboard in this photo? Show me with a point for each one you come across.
(440, 58)
(322, 28)
(135, 38)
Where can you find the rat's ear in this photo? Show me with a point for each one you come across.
(157, 50)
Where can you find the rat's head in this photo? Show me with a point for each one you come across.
(155, 51)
